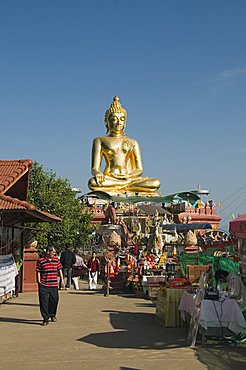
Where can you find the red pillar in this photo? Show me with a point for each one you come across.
(29, 281)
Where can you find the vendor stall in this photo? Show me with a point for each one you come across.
(238, 229)
(218, 318)
(167, 307)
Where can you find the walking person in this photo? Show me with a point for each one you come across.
(94, 270)
(78, 269)
(18, 262)
(67, 259)
(47, 269)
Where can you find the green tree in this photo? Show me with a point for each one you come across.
(55, 195)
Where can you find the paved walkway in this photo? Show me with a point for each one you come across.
(97, 332)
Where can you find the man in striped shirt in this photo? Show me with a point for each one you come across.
(47, 269)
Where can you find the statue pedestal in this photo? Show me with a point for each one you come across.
(137, 194)
(29, 280)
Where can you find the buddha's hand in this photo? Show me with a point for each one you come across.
(127, 176)
(99, 178)
(121, 176)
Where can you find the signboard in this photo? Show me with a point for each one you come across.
(8, 271)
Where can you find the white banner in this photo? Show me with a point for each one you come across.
(8, 271)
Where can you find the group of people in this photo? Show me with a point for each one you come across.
(70, 265)
(73, 267)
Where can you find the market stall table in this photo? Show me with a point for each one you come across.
(217, 318)
(167, 307)
(222, 314)
(187, 306)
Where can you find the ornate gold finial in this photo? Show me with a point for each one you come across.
(115, 107)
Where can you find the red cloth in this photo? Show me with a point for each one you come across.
(94, 265)
(135, 249)
(179, 283)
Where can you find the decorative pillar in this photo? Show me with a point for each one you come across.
(29, 280)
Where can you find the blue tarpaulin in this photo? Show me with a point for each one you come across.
(186, 227)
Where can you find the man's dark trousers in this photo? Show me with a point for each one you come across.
(68, 273)
(48, 301)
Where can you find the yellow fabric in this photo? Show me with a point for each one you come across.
(167, 307)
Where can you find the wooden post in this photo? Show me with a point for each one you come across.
(108, 279)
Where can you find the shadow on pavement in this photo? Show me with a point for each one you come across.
(21, 304)
(20, 321)
(83, 292)
(139, 331)
(124, 295)
(222, 358)
(150, 304)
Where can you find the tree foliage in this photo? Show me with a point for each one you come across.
(55, 195)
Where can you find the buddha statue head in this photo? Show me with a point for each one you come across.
(115, 118)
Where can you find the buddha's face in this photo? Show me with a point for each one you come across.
(117, 123)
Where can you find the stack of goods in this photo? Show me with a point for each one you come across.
(179, 283)
(112, 267)
(149, 262)
(131, 263)
(193, 272)
(154, 283)
(131, 267)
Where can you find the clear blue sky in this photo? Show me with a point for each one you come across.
(179, 67)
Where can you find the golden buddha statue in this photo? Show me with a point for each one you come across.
(122, 155)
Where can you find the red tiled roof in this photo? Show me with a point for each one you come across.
(49, 215)
(9, 203)
(12, 171)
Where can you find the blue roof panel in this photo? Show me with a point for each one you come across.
(186, 227)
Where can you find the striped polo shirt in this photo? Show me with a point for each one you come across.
(48, 270)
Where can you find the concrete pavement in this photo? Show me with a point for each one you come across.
(93, 331)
